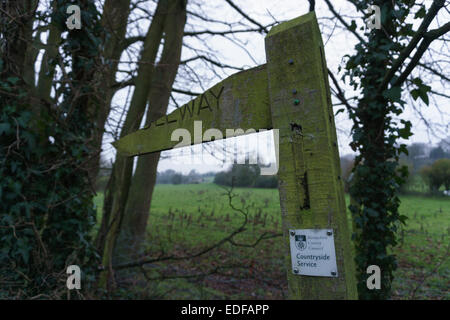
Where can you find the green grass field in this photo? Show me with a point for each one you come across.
(185, 219)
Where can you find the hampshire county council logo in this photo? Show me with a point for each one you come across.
(300, 242)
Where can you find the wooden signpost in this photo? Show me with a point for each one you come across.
(290, 93)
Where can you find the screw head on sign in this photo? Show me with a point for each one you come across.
(329, 233)
(333, 273)
(295, 270)
(296, 102)
(292, 233)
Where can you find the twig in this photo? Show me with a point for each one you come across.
(413, 294)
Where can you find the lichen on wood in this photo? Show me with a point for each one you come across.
(240, 101)
(311, 192)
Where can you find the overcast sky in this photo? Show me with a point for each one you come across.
(337, 44)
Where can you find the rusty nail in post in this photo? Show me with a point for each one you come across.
(296, 102)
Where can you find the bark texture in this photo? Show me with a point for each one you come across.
(142, 184)
(118, 188)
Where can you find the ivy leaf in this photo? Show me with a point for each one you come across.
(22, 249)
(421, 91)
(405, 132)
(13, 80)
(403, 149)
(4, 127)
(424, 96)
(30, 139)
(402, 219)
(394, 94)
(415, 94)
(371, 212)
(420, 13)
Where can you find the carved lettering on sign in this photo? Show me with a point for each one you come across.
(186, 106)
(190, 107)
(217, 97)
(202, 105)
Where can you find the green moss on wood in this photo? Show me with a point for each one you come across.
(243, 103)
(311, 194)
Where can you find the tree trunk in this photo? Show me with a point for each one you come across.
(114, 21)
(18, 32)
(142, 185)
(47, 71)
(122, 169)
(373, 192)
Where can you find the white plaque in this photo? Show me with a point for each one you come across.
(313, 253)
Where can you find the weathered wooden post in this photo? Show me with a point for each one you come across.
(311, 191)
(290, 94)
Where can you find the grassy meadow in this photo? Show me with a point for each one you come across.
(186, 219)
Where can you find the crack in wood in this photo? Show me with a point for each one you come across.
(304, 182)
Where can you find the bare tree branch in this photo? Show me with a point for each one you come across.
(246, 16)
(427, 39)
(340, 94)
(229, 238)
(337, 15)
(434, 9)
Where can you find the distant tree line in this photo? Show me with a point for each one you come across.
(437, 175)
(172, 177)
(428, 163)
(421, 154)
(246, 176)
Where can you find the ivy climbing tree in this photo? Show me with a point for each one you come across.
(46, 207)
(380, 69)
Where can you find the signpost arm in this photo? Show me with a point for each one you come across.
(311, 191)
